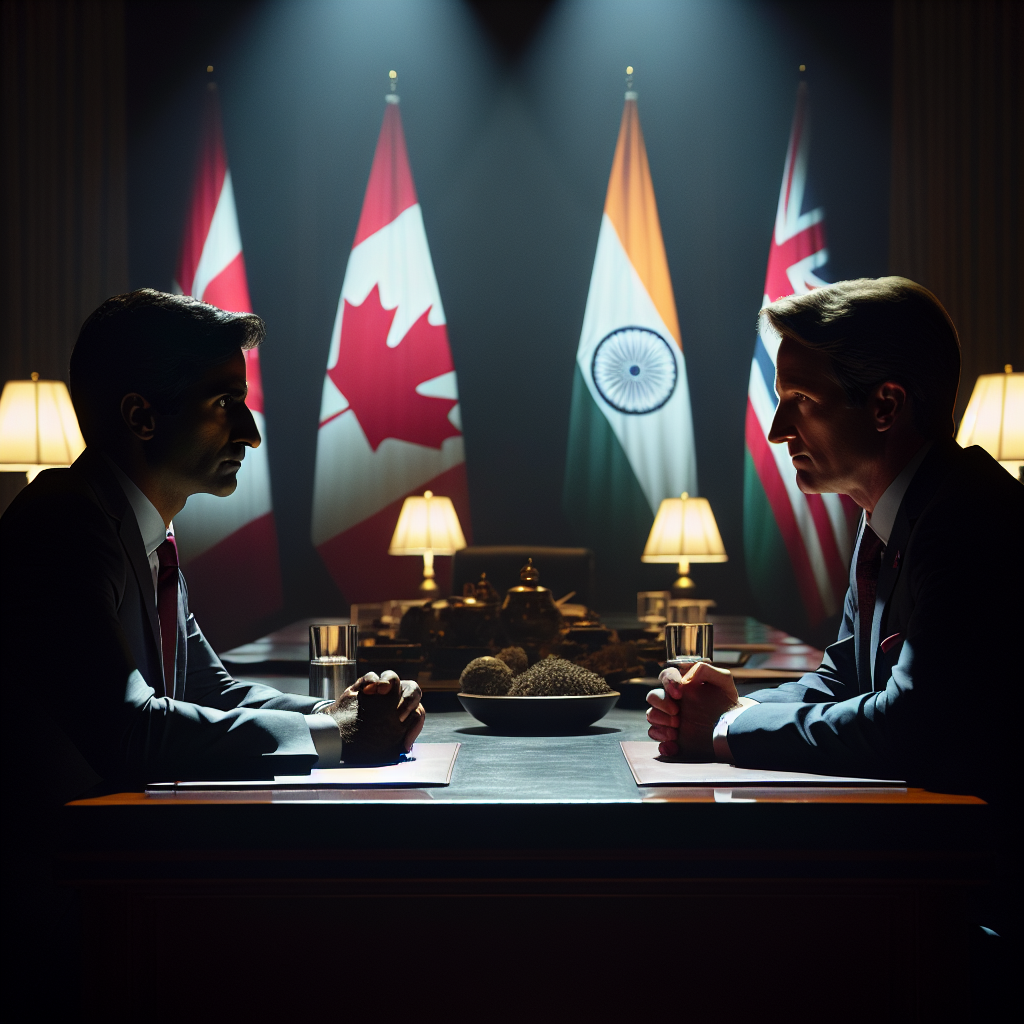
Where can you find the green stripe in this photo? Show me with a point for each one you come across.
(604, 502)
(769, 569)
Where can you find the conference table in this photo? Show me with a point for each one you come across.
(542, 883)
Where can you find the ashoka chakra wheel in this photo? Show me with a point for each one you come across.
(634, 370)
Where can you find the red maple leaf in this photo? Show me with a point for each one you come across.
(380, 382)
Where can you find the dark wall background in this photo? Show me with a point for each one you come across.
(511, 124)
(511, 112)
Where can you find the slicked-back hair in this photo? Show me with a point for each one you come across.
(154, 344)
(880, 330)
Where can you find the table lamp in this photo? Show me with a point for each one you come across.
(684, 531)
(427, 526)
(995, 419)
(38, 427)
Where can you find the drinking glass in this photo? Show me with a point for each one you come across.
(688, 643)
(332, 659)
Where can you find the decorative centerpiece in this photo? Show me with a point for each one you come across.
(551, 696)
(529, 615)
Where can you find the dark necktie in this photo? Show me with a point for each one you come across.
(869, 562)
(167, 608)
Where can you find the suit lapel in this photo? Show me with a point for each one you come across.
(932, 471)
(115, 503)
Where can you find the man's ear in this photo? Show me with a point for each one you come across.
(139, 416)
(887, 403)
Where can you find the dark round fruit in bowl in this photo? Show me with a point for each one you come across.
(486, 675)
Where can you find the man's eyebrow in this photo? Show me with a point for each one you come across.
(805, 385)
(233, 389)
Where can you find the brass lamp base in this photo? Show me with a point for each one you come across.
(683, 587)
(683, 584)
(428, 585)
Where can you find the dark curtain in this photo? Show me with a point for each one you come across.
(957, 213)
(63, 234)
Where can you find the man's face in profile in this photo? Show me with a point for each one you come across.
(202, 445)
(828, 439)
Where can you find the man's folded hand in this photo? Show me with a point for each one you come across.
(683, 715)
(379, 718)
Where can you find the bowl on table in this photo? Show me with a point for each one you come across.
(539, 716)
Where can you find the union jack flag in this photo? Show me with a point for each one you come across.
(798, 546)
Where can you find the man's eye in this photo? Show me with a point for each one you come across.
(223, 401)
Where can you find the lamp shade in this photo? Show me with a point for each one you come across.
(684, 530)
(427, 525)
(995, 417)
(38, 426)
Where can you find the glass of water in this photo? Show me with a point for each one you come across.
(332, 660)
(688, 643)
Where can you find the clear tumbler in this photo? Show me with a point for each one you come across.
(688, 643)
(332, 660)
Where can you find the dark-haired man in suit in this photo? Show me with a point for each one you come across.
(867, 377)
(94, 605)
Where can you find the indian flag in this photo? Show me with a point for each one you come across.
(631, 429)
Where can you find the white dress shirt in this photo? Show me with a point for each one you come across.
(881, 520)
(323, 730)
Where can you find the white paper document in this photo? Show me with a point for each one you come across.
(428, 764)
(649, 770)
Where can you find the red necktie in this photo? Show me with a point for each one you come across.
(167, 608)
(869, 562)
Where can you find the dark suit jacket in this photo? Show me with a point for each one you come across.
(932, 706)
(79, 643)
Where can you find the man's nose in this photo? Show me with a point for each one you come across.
(781, 429)
(246, 431)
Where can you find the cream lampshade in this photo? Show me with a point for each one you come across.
(684, 531)
(38, 427)
(427, 526)
(995, 418)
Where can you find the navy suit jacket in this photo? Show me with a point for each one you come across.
(78, 624)
(933, 707)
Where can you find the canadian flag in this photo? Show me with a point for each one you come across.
(227, 546)
(389, 416)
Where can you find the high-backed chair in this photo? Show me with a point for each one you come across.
(561, 569)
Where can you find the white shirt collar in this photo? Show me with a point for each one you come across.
(151, 523)
(883, 518)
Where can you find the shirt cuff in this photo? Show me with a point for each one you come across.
(720, 737)
(326, 736)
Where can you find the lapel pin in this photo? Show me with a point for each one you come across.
(896, 561)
